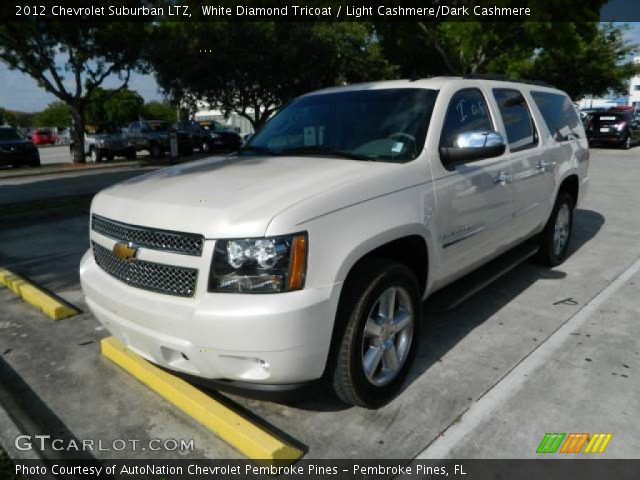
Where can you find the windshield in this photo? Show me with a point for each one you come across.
(99, 129)
(158, 126)
(7, 134)
(385, 125)
(609, 118)
(212, 125)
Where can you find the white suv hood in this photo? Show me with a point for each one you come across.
(224, 197)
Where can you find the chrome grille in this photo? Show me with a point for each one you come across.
(156, 277)
(167, 240)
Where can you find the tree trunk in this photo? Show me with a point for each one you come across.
(77, 134)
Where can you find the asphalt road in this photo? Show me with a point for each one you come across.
(537, 351)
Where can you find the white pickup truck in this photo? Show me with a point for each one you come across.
(307, 255)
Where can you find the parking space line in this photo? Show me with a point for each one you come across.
(513, 380)
(48, 303)
(246, 437)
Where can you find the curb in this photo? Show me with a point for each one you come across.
(51, 306)
(70, 168)
(246, 437)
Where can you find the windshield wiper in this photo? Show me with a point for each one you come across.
(258, 149)
(316, 149)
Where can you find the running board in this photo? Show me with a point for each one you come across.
(454, 294)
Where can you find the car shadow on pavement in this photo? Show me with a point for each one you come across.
(441, 332)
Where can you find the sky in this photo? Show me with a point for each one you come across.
(20, 92)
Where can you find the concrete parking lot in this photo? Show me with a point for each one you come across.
(537, 351)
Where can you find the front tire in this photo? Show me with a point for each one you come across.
(155, 150)
(626, 143)
(380, 313)
(95, 154)
(556, 236)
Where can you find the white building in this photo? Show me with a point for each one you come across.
(634, 87)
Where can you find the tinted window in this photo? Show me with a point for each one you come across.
(467, 112)
(518, 124)
(609, 118)
(559, 114)
(8, 134)
(383, 124)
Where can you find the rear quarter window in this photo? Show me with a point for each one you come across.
(559, 115)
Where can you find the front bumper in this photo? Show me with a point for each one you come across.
(270, 339)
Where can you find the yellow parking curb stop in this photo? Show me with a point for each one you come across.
(248, 438)
(49, 304)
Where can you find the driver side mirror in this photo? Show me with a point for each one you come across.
(473, 145)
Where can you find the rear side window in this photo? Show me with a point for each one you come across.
(559, 114)
(518, 124)
(467, 112)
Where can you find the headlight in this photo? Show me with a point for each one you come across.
(259, 265)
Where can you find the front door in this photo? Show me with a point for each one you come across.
(474, 199)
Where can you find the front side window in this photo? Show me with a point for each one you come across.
(467, 112)
(9, 134)
(518, 124)
(387, 125)
(559, 114)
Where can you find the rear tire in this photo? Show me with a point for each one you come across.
(131, 154)
(556, 236)
(376, 343)
(155, 150)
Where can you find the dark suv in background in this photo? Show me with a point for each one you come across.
(209, 135)
(153, 136)
(619, 127)
(16, 150)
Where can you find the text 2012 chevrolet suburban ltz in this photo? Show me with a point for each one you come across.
(307, 254)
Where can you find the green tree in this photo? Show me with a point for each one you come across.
(115, 106)
(7, 117)
(594, 65)
(57, 114)
(159, 111)
(71, 60)
(253, 68)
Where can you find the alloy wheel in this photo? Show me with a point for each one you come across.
(387, 336)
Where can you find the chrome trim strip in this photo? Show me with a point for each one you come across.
(196, 239)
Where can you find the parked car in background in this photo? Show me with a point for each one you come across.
(64, 136)
(307, 261)
(43, 137)
(218, 136)
(619, 127)
(103, 140)
(16, 150)
(153, 136)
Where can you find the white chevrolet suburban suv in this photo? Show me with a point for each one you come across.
(307, 255)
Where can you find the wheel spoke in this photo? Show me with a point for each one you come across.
(401, 320)
(372, 359)
(372, 329)
(388, 304)
(390, 359)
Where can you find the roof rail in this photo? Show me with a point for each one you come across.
(502, 78)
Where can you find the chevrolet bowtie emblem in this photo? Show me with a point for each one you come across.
(124, 251)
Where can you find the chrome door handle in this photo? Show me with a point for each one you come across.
(542, 165)
(503, 178)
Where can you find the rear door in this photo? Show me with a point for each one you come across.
(474, 199)
(533, 170)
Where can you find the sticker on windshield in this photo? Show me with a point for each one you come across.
(397, 147)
